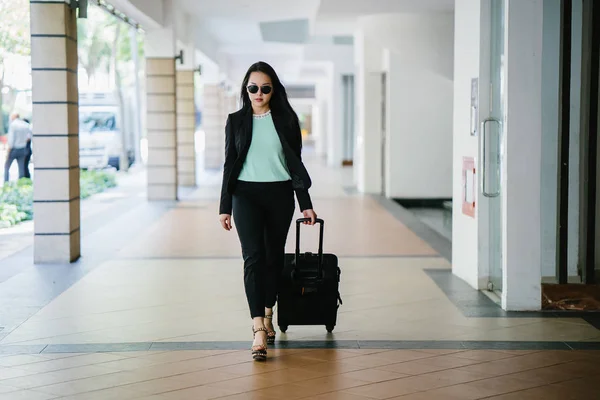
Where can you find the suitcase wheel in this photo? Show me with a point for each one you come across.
(283, 328)
(329, 328)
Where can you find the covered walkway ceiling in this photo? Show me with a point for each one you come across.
(254, 22)
(243, 31)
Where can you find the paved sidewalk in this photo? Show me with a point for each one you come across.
(155, 309)
(131, 184)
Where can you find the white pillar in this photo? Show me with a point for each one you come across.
(521, 224)
(335, 142)
(320, 119)
(316, 128)
(209, 70)
(368, 173)
(186, 118)
(466, 231)
(161, 110)
(56, 201)
(213, 125)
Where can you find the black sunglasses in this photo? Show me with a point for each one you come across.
(264, 89)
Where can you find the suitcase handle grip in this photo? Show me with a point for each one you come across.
(319, 221)
(293, 275)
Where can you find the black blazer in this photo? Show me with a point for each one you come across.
(238, 135)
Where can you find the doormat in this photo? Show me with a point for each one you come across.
(576, 297)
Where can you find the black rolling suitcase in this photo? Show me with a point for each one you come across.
(309, 288)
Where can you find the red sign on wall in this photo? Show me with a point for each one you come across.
(469, 185)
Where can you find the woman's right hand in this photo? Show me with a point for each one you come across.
(225, 220)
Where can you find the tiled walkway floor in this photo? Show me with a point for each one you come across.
(164, 316)
(304, 374)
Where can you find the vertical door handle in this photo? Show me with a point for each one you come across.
(485, 190)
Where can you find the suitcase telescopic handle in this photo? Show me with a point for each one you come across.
(319, 221)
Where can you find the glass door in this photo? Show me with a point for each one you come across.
(491, 138)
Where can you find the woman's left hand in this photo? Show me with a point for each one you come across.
(310, 214)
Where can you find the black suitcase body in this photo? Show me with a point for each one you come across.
(309, 286)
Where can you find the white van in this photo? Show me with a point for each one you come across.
(100, 131)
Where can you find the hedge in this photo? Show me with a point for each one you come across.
(16, 198)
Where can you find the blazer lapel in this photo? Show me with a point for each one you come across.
(280, 128)
(247, 130)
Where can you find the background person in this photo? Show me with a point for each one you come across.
(19, 133)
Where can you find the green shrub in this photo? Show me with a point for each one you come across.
(10, 215)
(18, 194)
(16, 198)
(93, 181)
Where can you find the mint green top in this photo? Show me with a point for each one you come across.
(265, 161)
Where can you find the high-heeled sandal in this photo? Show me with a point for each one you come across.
(270, 334)
(259, 352)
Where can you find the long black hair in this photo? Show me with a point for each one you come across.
(279, 102)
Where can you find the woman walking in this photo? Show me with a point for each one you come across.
(263, 168)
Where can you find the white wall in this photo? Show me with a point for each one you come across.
(419, 67)
(337, 60)
(367, 151)
(161, 42)
(149, 13)
(204, 41)
(189, 57)
(419, 106)
(320, 118)
(465, 249)
(209, 68)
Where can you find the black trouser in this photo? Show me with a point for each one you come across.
(27, 159)
(262, 213)
(15, 154)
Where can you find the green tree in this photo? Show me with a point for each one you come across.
(14, 36)
(117, 44)
(94, 46)
(104, 45)
(100, 44)
(124, 74)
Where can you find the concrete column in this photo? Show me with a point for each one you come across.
(319, 120)
(230, 104)
(186, 117)
(521, 218)
(335, 140)
(161, 114)
(213, 124)
(186, 105)
(55, 130)
(316, 128)
(186, 128)
(467, 245)
(161, 126)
